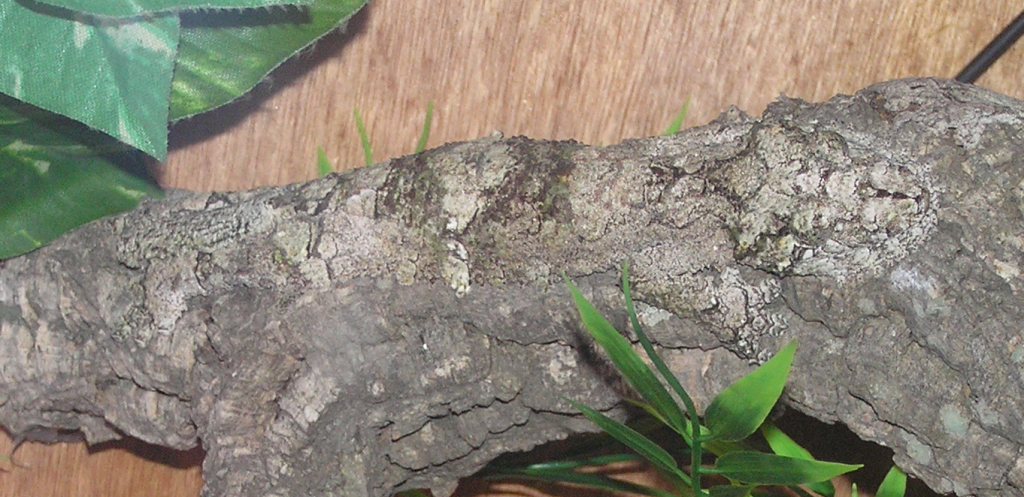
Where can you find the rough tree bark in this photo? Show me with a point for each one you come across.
(400, 325)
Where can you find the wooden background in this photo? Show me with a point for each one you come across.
(597, 71)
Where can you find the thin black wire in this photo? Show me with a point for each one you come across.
(991, 53)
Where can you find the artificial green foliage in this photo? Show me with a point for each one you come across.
(894, 484)
(738, 410)
(56, 175)
(690, 431)
(123, 68)
(782, 445)
(629, 364)
(772, 469)
(568, 472)
(115, 74)
(323, 165)
(677, 123)
(421, 145)
(731, 490)
(734, 414)
(363, 137)
(640, 444)
(223, 54)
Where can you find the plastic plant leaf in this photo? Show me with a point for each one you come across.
(782, 445)
(223, 54)
(771, 469)
(738, 410)
(363, 137)
(688, 431)
(731, 490)
(600, 482)
(628, 362)
(564, 472)
(894, 484)
(125, 8)
(677, 123)
(421, 145)
(323, 165)
(113, 76)
(56, 175)
(581, 463)
(642, 445)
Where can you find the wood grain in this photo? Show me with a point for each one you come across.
(594, 71)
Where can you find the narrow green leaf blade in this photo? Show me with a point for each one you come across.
(771, 469)
(782, 445)
(894, 484)
(113, 76)
(56, 175)
(731, 490)
(421, 145)
(363, 137)
(628, 362)
(224, 54)
(687, 432)
(568, 464)
(323, 165)
(677, 123)
(738, 410)
(591, 480)
(642, 445)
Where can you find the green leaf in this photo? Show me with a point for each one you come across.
(738, 410)
(113, 76)
(770, 469)
(731, 490)
(782, 445)
(677, 123)
(642, 445)
(422, 144)
(689, 431)
(224, 54)
(56, 175)
(125, 8)
(628, 362)
(323, 165)
(894, 484)
(564, 472)
(565, 464)
(367, 151)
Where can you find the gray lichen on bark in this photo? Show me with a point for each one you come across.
(400, 325)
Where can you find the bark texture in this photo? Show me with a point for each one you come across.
(400, 325)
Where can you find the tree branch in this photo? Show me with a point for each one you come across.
(399, 326)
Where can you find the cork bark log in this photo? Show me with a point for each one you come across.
(400, 325)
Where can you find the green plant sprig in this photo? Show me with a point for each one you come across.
(323, 164)
(735, 413)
